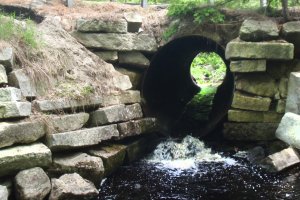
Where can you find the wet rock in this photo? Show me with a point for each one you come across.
(3, 193)
(256, 154)
(101, 26)
(64, 123)
(134, 59)
(280, 106)
(250, 131)
(253, 116)
(118, 42)
(80, 138)
(72, 187)
(244, 66)
(10, 94)
(134, 76)
(275, 50)
(20, 132)
(7, 58)
(293, 97)
(250, 103)
(89, 167)
(134, 21)
(112, 156)
(23, 157)
(255, 31)
(3, 75)
(14, 109)
(281, 160)
(18, 78)
(32, 184)
(108, 56)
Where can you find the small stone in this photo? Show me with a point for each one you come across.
(7, 58)
(134, 21)
(293, 96)
(250, 103)
(72, 186)
(3, 75)
(108, 56)
(253, 116)
(133, 59)
(283, 87)
(101, 26)
(14, 109)
(134, 76)
(280, 105)
(121, 82)
(32, 184)
(256, 154)
(244, 66)
(3, 193)
(10, 94)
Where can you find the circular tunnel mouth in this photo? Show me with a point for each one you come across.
(168, 84)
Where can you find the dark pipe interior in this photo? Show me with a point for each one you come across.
(168, 85)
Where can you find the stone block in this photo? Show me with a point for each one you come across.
(64, 123)
(255, 31)
(81, 138)
(134, 76)
(244, 66)
(126, 97)
(280, 105)
(134, 21)
(14, 109)
(112, 156)
(283, 87)
(293, 95)
(133, 59)
(291, 33)
(273, 50)
(245, 102)
(7, 58)
(257, 84)
(250, 131)
(20, 132)
(108, 56)
(72, 186)
(3, 75)
(121, 82)
(18, 78)
(3, 193)
(118, 42)
(101, 26)
(10, 94)
(17, 158)
(32, 184)
(253, 116)
(89, 167)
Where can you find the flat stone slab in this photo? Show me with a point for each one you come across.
(293, 96)
(117, 113)
(133, 59)
(273, 50)
(10, 94)
(253, 116)
(245, 66)
(108, 56)
(7, 58)
(81, 138)
(134, 21)
(127, 97)
(17, 158)
(20, 133)
(250, 131)
(101, 26)
(89, 167)
(3, 75)
(14, 109)
(72, 186)
(244, 102)
(65, 123)
(118, 42)
(32, 184)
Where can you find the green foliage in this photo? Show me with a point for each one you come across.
(208, 15)
(171, 30)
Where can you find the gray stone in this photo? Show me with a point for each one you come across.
(8, 183)
(244, 66)
(275, 50)
(281, 160)
(118, 42)
(257, 84)
(10, 94)
(256, 154)
(3, 75)
(112, 156)
(250, 131)
(283, 87)
(280, 105)
(108, 56)
(17, 158)
(64, 123)
(134, 21)
(250, 103)
(72, 187)
(134, 59)
(291, 33)
(116, 113)
(134, 76)
(3, 193)
(89, 167)
(253, 116)
(7, 58)
(81, 138)
(20, 133)
(121, 82)
(126, 97)
(18, 78)
(101, 26)
(253, 30)
(14, 109)
(32, 184)
(293, 97)
(137, 127)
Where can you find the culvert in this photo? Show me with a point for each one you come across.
(168, 85)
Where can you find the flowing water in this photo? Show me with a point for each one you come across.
(188, 170)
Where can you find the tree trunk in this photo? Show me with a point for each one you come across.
(285, 10)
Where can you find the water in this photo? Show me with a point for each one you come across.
(189, 170)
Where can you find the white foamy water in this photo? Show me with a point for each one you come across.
(185, 155)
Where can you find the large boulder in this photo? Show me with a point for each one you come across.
(72, 187)
(245, 66)
(133, 59)
(32, 184)
(10, 94)
(253, 116)
(7, 58)
(101, 26)
(3, 75)
(255, 31)
(293, 96)
(246, 102)
(14, 109)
